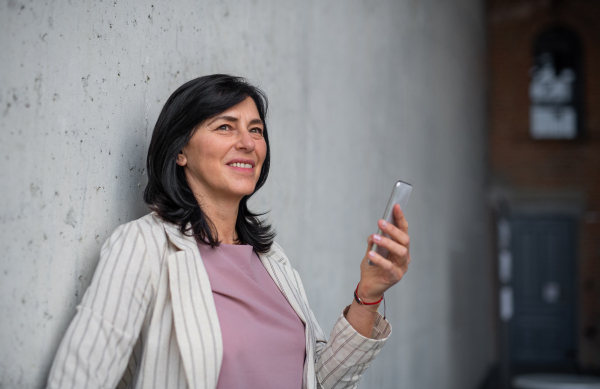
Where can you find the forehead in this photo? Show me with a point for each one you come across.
(243, 111)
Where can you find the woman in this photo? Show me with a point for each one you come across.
(197, 294)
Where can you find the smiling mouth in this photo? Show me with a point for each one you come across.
(241, 165)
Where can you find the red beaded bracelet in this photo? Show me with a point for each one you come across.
(358, 300)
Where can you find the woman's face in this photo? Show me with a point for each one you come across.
(224, 157)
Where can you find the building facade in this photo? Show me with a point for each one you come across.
(544, 59)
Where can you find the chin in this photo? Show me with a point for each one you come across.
(243, 190)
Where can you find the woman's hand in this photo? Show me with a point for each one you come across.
(375, 280)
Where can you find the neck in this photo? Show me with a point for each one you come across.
(221, 210)
(223, 215)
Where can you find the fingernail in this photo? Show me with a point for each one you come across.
(383, 223)
(376, 237)
(371, 254)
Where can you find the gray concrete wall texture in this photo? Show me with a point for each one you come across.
(362, 93)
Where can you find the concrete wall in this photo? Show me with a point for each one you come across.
(362, 93)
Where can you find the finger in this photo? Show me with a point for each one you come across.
(369, 242)
(392, 246)
(380, 261)
(395, 233)
(369, 248)
(401, 221)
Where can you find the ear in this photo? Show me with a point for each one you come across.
(181, 159)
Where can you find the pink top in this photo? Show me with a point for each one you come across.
(263, 337)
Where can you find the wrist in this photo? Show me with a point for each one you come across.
(373, 309)
(370, 306)
(366, 296)
(360, 298)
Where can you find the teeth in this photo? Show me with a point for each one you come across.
(242, 165)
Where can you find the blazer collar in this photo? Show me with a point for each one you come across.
(277, 265)
(194, 312)
(181, 241)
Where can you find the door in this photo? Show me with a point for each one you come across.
(542, 330)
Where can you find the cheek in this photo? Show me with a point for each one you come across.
(206, 154)
(261, 151)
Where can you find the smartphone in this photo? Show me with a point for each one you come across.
(400, 195)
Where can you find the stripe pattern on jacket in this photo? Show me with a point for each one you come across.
(148, 320)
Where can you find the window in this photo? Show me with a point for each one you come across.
(555, 89)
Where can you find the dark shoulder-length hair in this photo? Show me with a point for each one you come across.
(168, 192)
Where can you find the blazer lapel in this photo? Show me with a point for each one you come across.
(194, 313)
(277, 265)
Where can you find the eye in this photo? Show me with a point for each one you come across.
(224, 127)
(257, 130)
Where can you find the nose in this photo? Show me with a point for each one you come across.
(245, 142)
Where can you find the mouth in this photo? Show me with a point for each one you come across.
(244, 165)
(240, 165)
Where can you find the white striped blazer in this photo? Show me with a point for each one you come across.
(148, 320)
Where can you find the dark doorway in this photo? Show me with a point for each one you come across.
(543, 328)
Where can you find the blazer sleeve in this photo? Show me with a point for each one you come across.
(341, 360)
(96, 347)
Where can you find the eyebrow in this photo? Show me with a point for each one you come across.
(234, 119)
